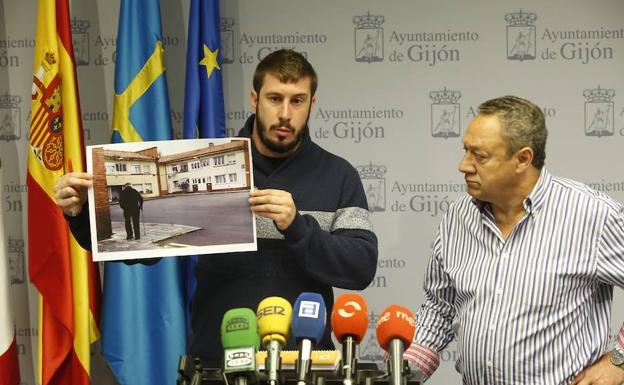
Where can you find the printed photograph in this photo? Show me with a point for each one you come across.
(170, 198)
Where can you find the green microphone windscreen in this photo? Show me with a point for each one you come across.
(239, 328)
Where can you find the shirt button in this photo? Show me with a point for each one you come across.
(489, 364)
(499, 291)
(492, 327)
(505, 256)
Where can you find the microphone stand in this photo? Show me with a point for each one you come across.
(348, 360)
(395, 362)
(273, 361)
(303, 363)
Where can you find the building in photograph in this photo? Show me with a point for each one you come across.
(223, 167)
(216, 168)
(140, 169)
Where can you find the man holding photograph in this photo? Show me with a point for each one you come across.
(313, 226)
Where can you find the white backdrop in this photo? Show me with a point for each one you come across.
(399, 82)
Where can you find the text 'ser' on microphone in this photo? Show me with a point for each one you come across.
(240, 340)
(274, 315)
(349, 321)
(395, 331)
(308, 326)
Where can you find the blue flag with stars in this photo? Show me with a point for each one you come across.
(204, 115)
(204, 112)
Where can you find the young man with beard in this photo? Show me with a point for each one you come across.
(312, 217)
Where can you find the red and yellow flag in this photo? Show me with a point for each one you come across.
(62, 272)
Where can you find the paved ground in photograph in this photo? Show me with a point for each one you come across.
(199, 219)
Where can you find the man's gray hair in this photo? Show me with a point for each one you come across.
(522, 125)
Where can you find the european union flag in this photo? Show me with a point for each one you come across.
(204, 115)
(204, 112)
(144, 313)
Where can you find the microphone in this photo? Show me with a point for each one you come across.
(308, 325)
(395, 331)
(240, 340)
(274, 314)
(349, 321)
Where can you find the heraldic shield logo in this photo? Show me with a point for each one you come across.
(10, 117)
(16, 260)
(80, 41)
(46, 124)
(445, 113)
(227, 40)
(374, 183)
(370, 351)
(369, 39)
(599, 112)
(521, 35)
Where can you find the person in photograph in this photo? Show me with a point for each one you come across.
(312, 218)
(131, 202)
(523, 266)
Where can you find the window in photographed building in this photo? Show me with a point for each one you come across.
(231, 159)
(138, 187)
(219, 160)
(136, 168)
(205, 162)
(148, 188)
(220, 179)
(232, 177)
(184, 167)
(120, 167)
(195, 165)
(110, 168)
(146, 169)
(174, 168)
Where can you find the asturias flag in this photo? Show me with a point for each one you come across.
(144, 318)
(62, 272)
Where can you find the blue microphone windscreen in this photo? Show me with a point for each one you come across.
(309, 317)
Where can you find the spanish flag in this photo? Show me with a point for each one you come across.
(62, 272)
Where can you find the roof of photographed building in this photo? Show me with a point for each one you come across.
(126, 155)
(212, 150)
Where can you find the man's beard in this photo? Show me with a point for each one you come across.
(280, 146)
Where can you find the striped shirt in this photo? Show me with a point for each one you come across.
(532, 309)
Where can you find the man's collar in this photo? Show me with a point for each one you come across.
(535, 200)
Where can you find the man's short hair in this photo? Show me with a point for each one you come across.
(522, 125)
(288, 66)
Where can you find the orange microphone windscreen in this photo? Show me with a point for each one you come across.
(396, 322)
(349, 317)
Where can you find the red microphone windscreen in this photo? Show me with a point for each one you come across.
(349, 317)
(396, 322)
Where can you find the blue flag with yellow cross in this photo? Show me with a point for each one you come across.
(144, 316)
